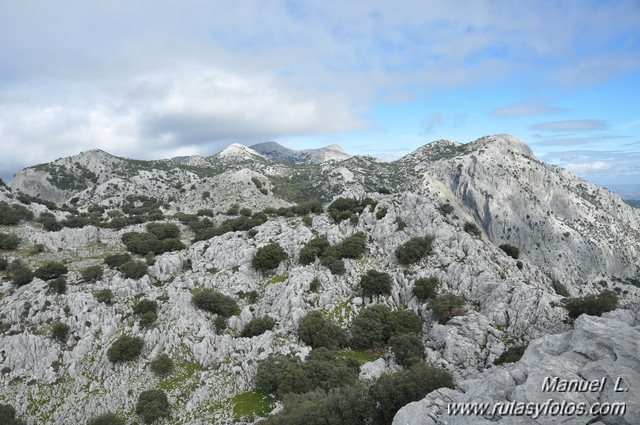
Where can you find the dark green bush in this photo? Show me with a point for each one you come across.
(408, 349)
(145, 305)
(107, 419)
(405, 321)
(447, 306)
(21, 276)
(163, 230)
(142, 243)
(104, 296)
(49, 222)
(246, 212)
(511, 355)
(472, 229)
(60, 332)
(371, 329)
(152, 405)
(3, 264)
(133, 269)
(214, 302)
(148, 317)
(307, 220)
(593, 305)
(162, 365)
(426, 288)
(58, 285)
(331, 260)
(13, 214)
(92, 274)
(395, 390)
(414, 250)
(384, 191)
(50, 270)
(344, 208)
(381, 213)
(353, 246)
(125, 348)
(375, 283)
(313, 249)
(445, 209)
(269, 257)
(510, 250)
(8, 415)
(233, 209)
(208, 212)
(317, 331)
(116, 260)
(9, 241)
(281, 375)
(257, 327)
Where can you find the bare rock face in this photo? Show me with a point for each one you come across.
(598, 348)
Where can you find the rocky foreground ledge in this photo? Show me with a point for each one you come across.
(598, 347)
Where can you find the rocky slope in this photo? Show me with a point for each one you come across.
(567, 230)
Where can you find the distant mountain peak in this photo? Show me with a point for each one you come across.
(280, 153)
(238, 151)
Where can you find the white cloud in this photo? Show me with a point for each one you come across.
(527, 108)
(586, 167)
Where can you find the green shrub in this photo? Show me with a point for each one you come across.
(58, 285)
(307, 220)
(49, 222)
(447, 306)
(317, 331)
(331, 260)
(384, 191)
(233, 209)
(353, 246)
(269, 257)
(60, 332)
(392, 391)
(214, 302)
(375, 283)
(8, 415)
(414, 250)
(208, 212)
(103, 296)
(9, 241)
(401, 224)
(593, 305)
(510, 250)
(426, 288)
(371, 328)
(50, 270)
(313, 249)
(13, 214)
(281, 375)
(163, 230)
(344, 208)
(152, 405)
(511, 355)
(472, 229)
(125, 348)
(257, 182)
(560, 289)
(145, 305)
(92, 274)
(3, 264)
(257, 327)
(408, 349)
(107, 419)
(314, 285)
(142, 243)
(404, 322)
(445, 209)
(162, 365)
(246, 212)
(21, 276)
(133, 269)
(381, 213)
(116, 260)
(148, 317)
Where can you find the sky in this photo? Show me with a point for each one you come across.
(156, 79)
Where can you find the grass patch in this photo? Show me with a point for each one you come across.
(184, 372)
(361, 357)
(279, 278)
(252, 403)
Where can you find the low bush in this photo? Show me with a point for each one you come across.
(92, 274)
(317, 331)
(472, 229)
(58, 285)
(21, 276)
(103, 296)
(147, 310)
(11, 214)
(269, 257)
(344, 208)
(152, 405)
(560, 289)
(50, 270)
(3, 264)
(162, 365)
(446, 306)
(133, 269)
(60, 332)
(124, 349)
(426, 288)
(405, 322)
(116, 260)
(163, 230)
(511, 355)
(445, 209)
(107, 419)
(8, 415)
(257, 327)
(593, 305)
(510, 250)
(381, 213)
(408, 349)
(313, 249)
(214, 302)
(414, 250)
(375, 283)
(9, 241)
(49, 222)
(353, 246)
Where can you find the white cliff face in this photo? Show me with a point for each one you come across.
(597, 348)
(506, 300)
